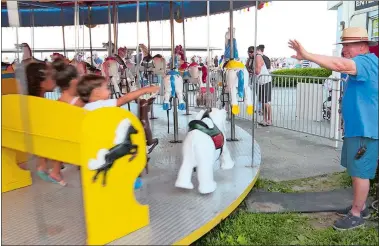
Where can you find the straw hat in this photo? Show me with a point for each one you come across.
(355, 35)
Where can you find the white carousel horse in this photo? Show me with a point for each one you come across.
(195, 73)
(125, 77)
(202, 146)
(173, 86)
(237, 77)
(127, 67)
(237, 84)
(173, 82)
(156, 64)
(110, 70)
(125, 55)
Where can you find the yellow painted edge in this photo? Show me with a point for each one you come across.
(198, 233)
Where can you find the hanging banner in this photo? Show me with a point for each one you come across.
(359, 5)
(13, 18)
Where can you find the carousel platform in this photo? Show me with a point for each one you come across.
(47, 214)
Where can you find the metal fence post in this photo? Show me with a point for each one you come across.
(335, 116)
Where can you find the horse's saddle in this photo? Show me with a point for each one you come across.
(214, 133)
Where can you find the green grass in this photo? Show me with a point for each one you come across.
(318, 183)
(243, 228)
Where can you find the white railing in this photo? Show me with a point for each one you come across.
(302, 104)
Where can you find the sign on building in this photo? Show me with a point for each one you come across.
(375, 26)
(359, 5)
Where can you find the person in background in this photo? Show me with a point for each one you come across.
(215, 61)
(360, 115)
(250, 68)
(261, 50)
(250, 60)
(221, 59)
(264, 87)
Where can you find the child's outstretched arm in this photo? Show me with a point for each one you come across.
(131, 96)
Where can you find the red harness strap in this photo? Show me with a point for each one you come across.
(218, 140)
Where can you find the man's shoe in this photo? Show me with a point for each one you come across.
(349, 222)
(365, 214)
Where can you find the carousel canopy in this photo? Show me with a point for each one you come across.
(58, 13)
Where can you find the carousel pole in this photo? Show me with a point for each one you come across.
(77, 23)
(207, 96)
(76, 26)
(109, 29)
(172, 35)
(186, 82)
(232, 117)
(138, 84)
(32, 22)
(90, 32)
(150, 73)
(115, 23)
(175, 112)
(184, 33)
(254, 80)
(63, 35)
(148, 27)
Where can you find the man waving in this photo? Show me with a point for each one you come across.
(360, 114)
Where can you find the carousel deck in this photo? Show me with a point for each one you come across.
(49, 214)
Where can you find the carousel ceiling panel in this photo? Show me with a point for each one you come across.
(58, 13)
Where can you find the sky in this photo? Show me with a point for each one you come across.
(307, 21)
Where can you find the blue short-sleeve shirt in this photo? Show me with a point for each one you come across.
(360, 99)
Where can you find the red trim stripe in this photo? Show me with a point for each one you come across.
(355, 38)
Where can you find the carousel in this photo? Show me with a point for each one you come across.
(191, 179)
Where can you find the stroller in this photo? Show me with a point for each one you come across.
(326, 107)
(327, 104)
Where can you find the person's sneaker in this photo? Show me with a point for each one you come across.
(349, 222)
(365, 214)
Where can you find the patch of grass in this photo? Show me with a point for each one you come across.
(329, 236)
(318, 183)
(244, 228)
(345, 180)
(273, 186)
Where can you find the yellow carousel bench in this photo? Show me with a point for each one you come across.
(59, 131)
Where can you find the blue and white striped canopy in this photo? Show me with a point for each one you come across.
(55, 14)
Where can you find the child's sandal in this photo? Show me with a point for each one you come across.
(43, 175)
(55, 181)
